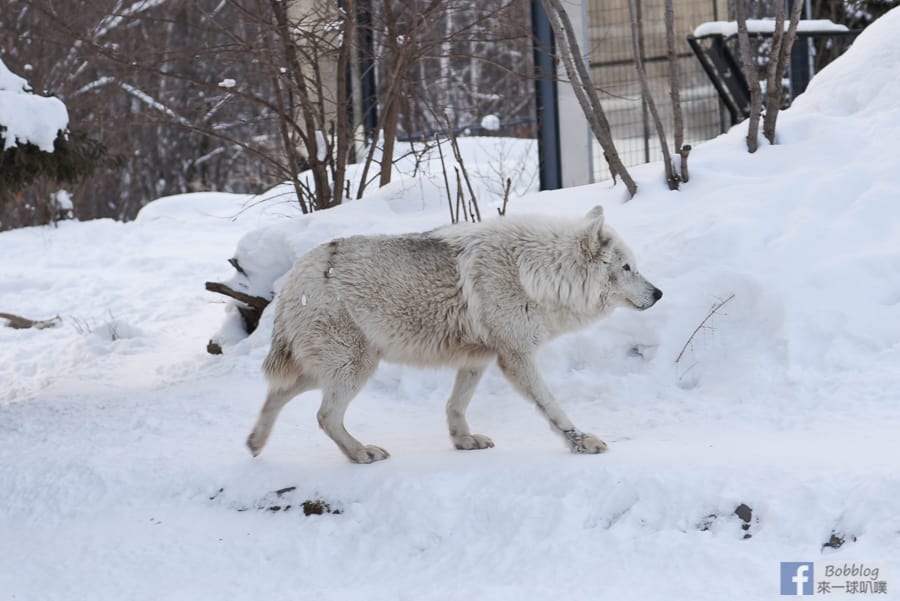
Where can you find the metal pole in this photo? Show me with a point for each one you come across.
(546, 106)
(367, 67)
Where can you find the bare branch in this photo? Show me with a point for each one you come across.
(671, 178)
(446, 183)
(502, 210)
(18, 322)
(709, 315)
(473, 202)
(257, 302)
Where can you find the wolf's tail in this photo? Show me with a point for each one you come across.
(280, 366)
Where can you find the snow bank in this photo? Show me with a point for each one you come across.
(865, 81)
(26, 117)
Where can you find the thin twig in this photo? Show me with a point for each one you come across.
(236, 264)
(505, 197)
(709, 315)
(446, 181)
(473, 202)
(460, 197)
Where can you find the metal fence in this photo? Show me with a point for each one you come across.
(614, 74)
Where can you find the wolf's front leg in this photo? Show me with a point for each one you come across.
(521, 370)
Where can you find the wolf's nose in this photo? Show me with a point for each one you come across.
(657, 294)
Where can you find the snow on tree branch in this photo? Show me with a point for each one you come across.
(119, 14)
(152, 102)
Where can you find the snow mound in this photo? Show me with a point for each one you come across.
(27, 118)
(865, 79)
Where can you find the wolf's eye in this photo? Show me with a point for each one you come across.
(626, 267)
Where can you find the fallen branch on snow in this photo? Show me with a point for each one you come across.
(23, 323)
(250, 307)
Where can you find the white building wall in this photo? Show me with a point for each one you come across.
(575, 137)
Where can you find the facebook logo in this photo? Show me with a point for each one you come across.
(796, 578)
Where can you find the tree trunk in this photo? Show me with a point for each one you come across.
(391, 116)
(752, 76)
(674, 79)
(779, 57)
(343, 128)
(773, 75)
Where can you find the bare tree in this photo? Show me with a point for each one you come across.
(481, 66)
(782, 42)
(237, 95)
(402, 39)
(680, 148)
(671, 178)
(674, 79)
(315, 39)
(208, 94)
(442, 56)
(571, 56)
(748, 64)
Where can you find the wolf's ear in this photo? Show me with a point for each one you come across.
(595, 213)
(593, 242)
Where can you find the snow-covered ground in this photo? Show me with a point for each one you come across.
(123, 473)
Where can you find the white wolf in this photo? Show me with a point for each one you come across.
(462, 295)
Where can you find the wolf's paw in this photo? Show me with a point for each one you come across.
(582, 442)
(370, 454)
(255, 443)
(468, 442)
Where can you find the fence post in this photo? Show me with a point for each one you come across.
(546, 108)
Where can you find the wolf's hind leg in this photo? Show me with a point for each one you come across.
(278, 396)
(522, 372)
(467, 379)
(337, 393)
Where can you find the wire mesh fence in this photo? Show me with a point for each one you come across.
(613, 73)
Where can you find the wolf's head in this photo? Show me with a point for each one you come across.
(603, 247)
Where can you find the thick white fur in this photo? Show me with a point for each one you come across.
(462, 295)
